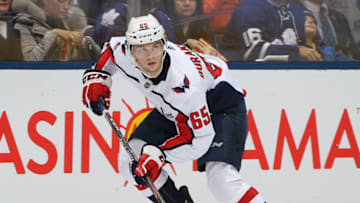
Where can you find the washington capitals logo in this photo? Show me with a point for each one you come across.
(182, 88)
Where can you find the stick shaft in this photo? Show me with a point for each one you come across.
(132, 155)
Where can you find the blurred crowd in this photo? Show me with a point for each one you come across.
(234, 30)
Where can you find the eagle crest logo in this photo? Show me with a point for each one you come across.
(181, 89)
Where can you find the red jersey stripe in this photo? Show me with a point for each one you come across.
(106, 55)
(185, 134)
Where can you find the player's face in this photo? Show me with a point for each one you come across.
(4, 5)
(185, 8)
(310, 27)
(57, 8)
(149, 57)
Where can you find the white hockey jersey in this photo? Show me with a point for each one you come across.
(190, 88)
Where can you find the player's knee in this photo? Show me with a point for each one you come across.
(216, 189)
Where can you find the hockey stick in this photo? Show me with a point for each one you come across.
(129, 150)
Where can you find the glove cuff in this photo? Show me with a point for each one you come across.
(96, 70)
(139, 180)
(155, 153)
(97, 76)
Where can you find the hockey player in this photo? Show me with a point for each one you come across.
(259, 28)
(199, 114)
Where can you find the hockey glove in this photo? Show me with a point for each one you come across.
(96, 84)
(139, 180)
(150, 163)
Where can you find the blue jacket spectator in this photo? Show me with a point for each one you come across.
(313, 41)
(259, 28)
(330, 54)
(338, 26)
(94, 8)
(113, 22)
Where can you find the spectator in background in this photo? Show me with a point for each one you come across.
(333, 27)
(94, 8)
(261, 28)
(313, 41)
(9, 38)
(188, 23)
(50, 30)
(113, 22)
(222, 11)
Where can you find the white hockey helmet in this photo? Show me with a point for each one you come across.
(144, 30)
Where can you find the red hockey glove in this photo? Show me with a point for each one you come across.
(96, 84)
(150, 162)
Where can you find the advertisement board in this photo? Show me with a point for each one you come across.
(303, 138)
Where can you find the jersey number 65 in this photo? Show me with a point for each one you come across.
(200, 119)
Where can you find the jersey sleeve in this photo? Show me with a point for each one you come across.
(194, 127)
(249, 36)
(106, 61)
